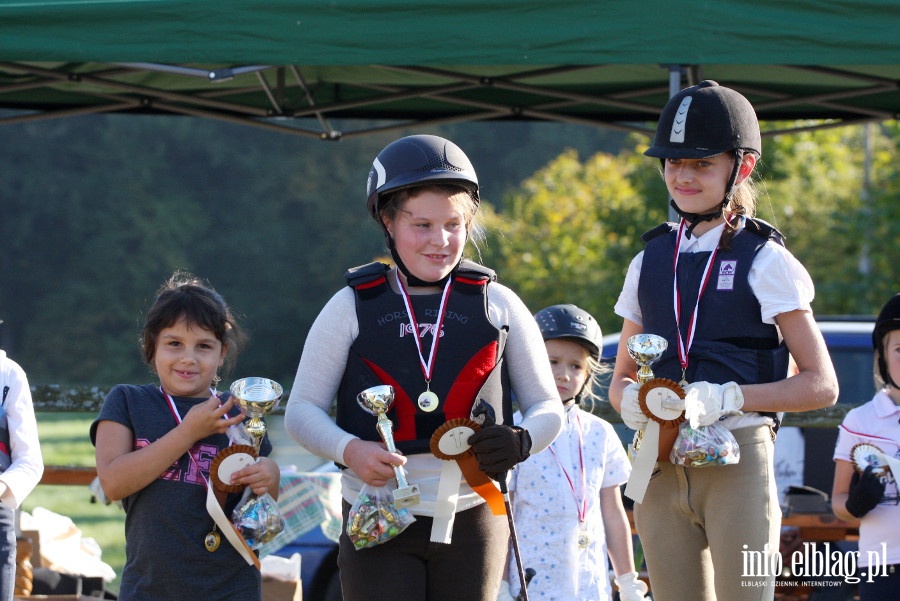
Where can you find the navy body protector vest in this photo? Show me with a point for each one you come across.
(731, 342)
(468, 365)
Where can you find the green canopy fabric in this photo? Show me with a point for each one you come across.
(278, 63)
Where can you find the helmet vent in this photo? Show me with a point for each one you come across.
(435, 162)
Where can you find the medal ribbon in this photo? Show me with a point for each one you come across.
(212, 504)
(685, 347)
(582, 509)
(427, 367)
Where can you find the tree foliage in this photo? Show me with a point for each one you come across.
(837, 203)
(99, 210)
(569, 233)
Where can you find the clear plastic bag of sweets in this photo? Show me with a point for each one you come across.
(374, 519)
(704, 446)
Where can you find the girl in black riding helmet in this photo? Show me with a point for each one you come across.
(731, 302)
(566, 499)
(453, 343)
(870, 493)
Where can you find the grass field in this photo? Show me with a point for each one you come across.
(65, 441)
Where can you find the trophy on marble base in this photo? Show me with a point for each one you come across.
(377, 400)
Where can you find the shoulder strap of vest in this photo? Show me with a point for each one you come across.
(473, 271)
(764, 230)
(659, 230)
(365, 274)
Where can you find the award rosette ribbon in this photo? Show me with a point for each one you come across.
(661, 400)
(450, 443)
(866, 454)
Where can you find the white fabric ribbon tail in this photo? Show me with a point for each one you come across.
(222, 521)
(644, 462)
(445, 505)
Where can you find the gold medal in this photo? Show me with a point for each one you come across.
(583, 540)
(212, 540)
(428, 401)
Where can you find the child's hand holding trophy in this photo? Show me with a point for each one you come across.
(662, 401)
(256, 517)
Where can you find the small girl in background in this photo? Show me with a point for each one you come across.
(154, 446)
(873, 496)
(566, 500)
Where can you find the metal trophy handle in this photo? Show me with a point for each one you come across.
(377, 400)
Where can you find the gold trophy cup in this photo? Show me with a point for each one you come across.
(377, 400)
(257, 517)
(257, 397)
(661, 400)
(646, 349)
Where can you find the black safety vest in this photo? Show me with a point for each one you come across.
(468, 365)
(731, 342)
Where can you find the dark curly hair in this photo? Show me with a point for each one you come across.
(186, 296)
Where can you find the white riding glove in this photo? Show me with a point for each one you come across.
(630, 587)
(632, 415)
(503, 593)
(705, 403)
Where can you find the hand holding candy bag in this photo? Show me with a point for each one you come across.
(702, 440)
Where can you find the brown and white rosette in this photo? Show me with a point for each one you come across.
(450, 443)
(661, 400)
(228, 461)
(866, 454)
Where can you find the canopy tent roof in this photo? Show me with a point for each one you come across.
(279, 63)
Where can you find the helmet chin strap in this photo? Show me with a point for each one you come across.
(411, 280)
(695, 219)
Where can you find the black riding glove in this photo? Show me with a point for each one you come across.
(500, 447)
(865, 493)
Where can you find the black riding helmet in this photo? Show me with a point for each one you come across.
(568, 321)
(888, 320)
(571, 323)
(702, 121)
(415, 161)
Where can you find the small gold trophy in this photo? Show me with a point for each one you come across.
(661, 400)
(377, 400)
(257, 517)
(257, 397)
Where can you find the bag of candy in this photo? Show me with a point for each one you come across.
(704, 446)
(373, 518)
